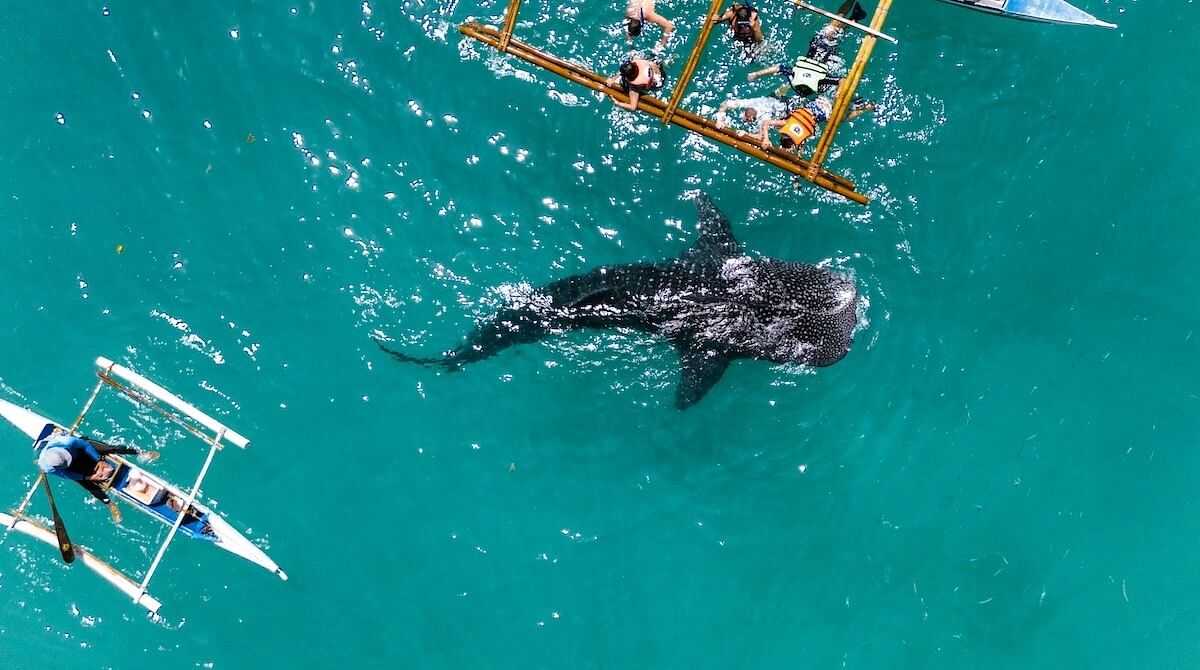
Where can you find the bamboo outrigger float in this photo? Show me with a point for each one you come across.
(669, 112)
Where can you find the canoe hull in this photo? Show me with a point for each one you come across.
(26, 421)
(1043, 11)
(206, 524)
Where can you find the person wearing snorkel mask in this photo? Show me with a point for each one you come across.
(745, 26)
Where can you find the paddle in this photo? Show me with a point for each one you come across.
(60, 530)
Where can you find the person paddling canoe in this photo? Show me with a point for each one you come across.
(83, 460)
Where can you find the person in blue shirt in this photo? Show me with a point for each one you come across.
(83, 460)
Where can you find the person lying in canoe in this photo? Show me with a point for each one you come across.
(144, 489)
(802, 122)
(811, 72)
(640, 12)
(82, 460)
(190, 516)
(638, 77)
(744, 24)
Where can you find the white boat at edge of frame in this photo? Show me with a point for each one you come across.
(152, 494)
(1046, 11)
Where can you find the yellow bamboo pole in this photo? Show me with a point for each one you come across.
(693, 60)
(656, 107)
(846, 89)
(510, 22)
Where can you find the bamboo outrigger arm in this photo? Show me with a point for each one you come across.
(510, 22)
(714, 10)
(846, 89)
(655, 107)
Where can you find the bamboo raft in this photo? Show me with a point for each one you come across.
(811, 169)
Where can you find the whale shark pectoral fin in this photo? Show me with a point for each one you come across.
(716, 241)
(699, 371)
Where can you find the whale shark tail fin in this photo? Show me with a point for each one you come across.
(407, 358)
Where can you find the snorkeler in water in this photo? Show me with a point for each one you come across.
(745, 26)
(640, 12)
(802, 123)
(638, 77)
(811, 72)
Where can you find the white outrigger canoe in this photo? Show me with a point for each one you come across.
(133, 485)
(1047, 11)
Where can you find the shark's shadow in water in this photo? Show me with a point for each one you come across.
(714, 303)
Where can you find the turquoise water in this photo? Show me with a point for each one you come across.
(998, 475)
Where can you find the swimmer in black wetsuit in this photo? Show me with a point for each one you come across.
(744, 23)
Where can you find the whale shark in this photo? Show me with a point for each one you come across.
(715, 303)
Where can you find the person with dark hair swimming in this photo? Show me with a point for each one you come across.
(811, 72)
(744, 23)
(640, 12)
(638, 77)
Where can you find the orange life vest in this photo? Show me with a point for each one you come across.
(800, 126)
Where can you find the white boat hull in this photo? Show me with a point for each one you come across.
(26, 421)
(1045, 11)
(228, 538)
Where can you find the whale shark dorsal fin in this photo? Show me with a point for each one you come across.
(699, 370)
(715, 241)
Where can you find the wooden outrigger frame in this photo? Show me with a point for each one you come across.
(811, 169)
(145, 393)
